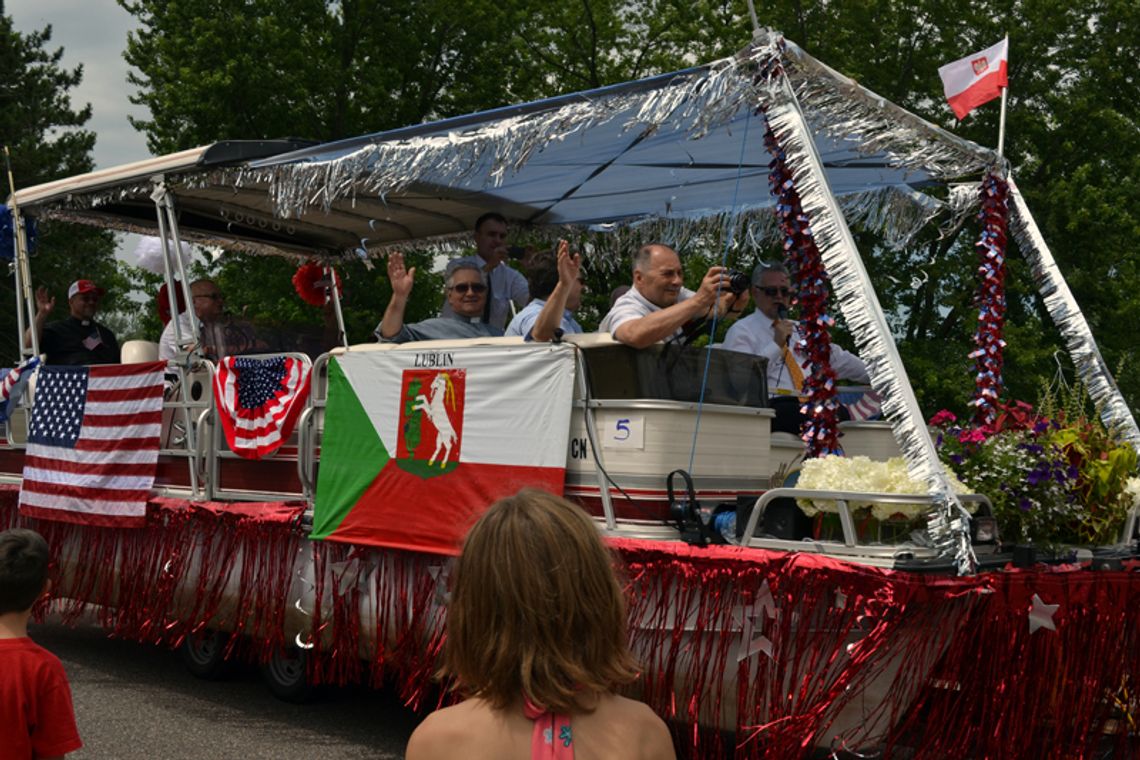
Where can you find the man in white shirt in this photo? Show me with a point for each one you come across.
(557, 283)
(658, 305)
(769, 333)
(505, 285)
(218, 336)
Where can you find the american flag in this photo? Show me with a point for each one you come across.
(258, 401)
(93, 443)
(12, 387)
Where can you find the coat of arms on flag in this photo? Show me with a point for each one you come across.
(258, 401)
(93, 443)
(431, 421)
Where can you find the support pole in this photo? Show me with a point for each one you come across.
(1001, 123)
(24, 300)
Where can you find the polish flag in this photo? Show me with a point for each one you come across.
(976, 79)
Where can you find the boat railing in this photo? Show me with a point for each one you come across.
(310, 425)
(843, 501)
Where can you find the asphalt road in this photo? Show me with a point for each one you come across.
(138, 701)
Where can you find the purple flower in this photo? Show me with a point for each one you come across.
(956, 458)
(1024, 504)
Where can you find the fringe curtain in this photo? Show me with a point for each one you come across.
(784, 652)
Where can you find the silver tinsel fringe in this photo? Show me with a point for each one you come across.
(1066, 314)
(948, 525)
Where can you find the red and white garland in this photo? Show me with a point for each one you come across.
(821, 408)
(988, 354)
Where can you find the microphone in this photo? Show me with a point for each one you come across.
(781, 311)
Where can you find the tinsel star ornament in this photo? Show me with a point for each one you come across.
(1041, 615)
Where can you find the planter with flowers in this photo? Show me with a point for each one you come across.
(1054, 475)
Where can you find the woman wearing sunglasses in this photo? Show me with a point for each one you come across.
(466, 293)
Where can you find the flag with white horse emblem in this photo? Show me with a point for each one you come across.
(418, 442)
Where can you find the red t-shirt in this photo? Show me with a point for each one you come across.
(36, 716)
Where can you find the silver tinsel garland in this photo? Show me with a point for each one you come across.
(1074, 328)
(948, 525)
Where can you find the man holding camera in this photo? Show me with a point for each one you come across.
(504, 284)
(769, 333)
(658, 306)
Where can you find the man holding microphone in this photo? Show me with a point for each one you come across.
(769, 333)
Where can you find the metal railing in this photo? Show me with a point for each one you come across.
(842, 501)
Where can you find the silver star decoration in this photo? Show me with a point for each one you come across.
(752, 619)
(1041, 615)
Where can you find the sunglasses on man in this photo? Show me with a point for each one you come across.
(773, 292)
(475, 287)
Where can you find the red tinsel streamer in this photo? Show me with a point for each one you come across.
(820, 430)
(855, 658)
(988, 343)
(305, 283)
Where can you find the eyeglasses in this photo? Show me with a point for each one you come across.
(475, 287)
(211, 296)
(773, 292)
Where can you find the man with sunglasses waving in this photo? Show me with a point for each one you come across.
(658, 306)
(769, 333)
(466, 293)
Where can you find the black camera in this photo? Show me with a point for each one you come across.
(738, 282)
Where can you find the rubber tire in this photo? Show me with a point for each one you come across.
(285, 675)
(204, 655)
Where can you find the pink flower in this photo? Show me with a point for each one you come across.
(942, 418)
(972, 436)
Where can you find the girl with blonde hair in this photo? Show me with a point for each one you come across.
(536, 641)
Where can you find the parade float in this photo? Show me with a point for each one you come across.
(309, 526)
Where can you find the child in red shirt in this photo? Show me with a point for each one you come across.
(37, 720)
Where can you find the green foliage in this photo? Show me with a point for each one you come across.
(44, 135)
(1054, 476)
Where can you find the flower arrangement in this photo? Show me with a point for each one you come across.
(1054, 475)
(837, 473)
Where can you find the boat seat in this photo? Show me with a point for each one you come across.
(138, 351)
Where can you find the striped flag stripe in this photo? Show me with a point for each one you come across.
(39, 465)
(80, 504)
(113, 420)
(85, 459)
(120, 479)
(118, 444)
(95, 493)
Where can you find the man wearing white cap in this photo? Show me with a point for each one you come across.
(78, 339)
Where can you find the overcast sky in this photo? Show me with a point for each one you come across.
(92, 33)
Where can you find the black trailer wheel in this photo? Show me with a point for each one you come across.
(286, 676)
(205, 655)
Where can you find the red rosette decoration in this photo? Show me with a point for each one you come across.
(989, 346)
(311, 283)
(820, 430)
(163, 301)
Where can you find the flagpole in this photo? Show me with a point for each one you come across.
(1001, 123)
(1001, 119)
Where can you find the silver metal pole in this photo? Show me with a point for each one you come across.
(1001, 123)
(24, 300)
(331, 274)
(755, 22)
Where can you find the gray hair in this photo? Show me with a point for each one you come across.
(457, 266)
(767, 266)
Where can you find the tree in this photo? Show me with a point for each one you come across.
(211, 69)
(45, 137)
